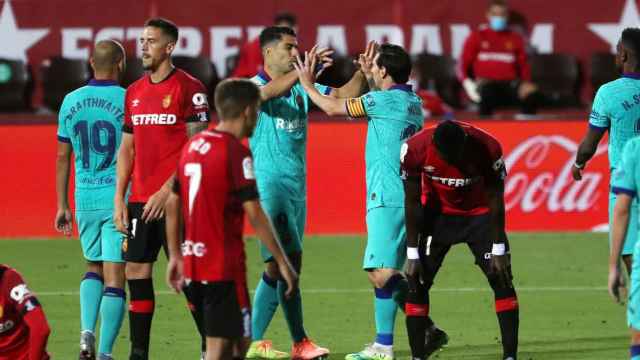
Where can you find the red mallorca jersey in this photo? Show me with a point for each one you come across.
(156, 114)
(215, 177)
(16, 301)
(455, 190)
(494, 55)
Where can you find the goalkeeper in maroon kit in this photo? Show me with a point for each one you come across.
(460, 172)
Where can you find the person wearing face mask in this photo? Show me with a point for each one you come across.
(493, 67)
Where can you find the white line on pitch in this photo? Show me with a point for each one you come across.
(353, 291)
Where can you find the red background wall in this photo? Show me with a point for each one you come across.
(540, 194)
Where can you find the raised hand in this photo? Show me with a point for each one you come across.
(365, 60)
(305, 68)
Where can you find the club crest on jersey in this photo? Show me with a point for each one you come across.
(125, 244)
(508, 45)
(166, 101)
(1, 311)
(135, 103)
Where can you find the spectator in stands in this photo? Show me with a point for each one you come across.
(250, 57)
(494, 69)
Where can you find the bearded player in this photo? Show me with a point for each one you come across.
(162, 110)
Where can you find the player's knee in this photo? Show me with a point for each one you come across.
(138, 271)
(95, 267)
(379, 277)
(271, 269)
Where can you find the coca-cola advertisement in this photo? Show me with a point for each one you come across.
(540, 194)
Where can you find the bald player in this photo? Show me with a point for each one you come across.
(89, 125)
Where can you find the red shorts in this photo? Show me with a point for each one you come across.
(20, 353)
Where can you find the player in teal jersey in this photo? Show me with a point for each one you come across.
(394, 113)
(616, 109)
(625, 183)
(279, 149)
(89, 123)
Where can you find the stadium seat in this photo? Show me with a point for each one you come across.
(200, 68)
(16, 85)
(133, 72)
(61, 76)
(558, 78)
(603, 69)
(438, 73)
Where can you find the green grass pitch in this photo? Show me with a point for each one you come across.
(561, 279)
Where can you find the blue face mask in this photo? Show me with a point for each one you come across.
(497, 23)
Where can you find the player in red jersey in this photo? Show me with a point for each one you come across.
(493, 66)
(460, 172)
(162, 110)
(214, 188)
(24, 330)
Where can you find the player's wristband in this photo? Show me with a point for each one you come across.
(412, 253)
(578, 166)
(498, 249)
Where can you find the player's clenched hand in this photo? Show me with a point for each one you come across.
(154, 208)
(64, 221)
(501, 266)
(175, 278)
(576, 172)
(413, 273)
(290, 277)
(121, 216)
(616, 286)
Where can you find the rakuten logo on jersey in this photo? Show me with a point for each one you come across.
(190, 248)
(154, 119)
(540, 176)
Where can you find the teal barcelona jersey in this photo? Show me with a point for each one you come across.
(393, 115)
(90, 120)
(616, 108)
(279, 142)
(626, 177)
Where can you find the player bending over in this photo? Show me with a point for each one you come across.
(24, 330)
(460, 171)
(214, 188)
(614, 111)
(89, 126)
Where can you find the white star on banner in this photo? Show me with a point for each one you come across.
(610, 32)
(16, 42)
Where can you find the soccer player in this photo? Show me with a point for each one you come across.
(625, 184)
(615, 109)
(89, 126)
(394, 113)
(493, 66)
(24, 330)
(215, 186)
(460, 171)
(279, 147)
(162, 110)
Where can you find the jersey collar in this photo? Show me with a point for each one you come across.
(173, 71)
(95, 82)
(635, 76)
(264, 76)
(403, 87)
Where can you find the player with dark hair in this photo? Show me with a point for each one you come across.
(460, 171)
(614, 110)
(24, 330)
(279, 148)
(394, 113)
(162, 110)
(89, 123)
(493, 66)
(215, 186)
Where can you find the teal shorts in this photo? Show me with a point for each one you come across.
(633, 306)
(386, 239)
(632, 230)
(288, 218)
(99, 238)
